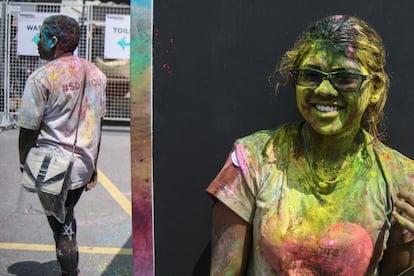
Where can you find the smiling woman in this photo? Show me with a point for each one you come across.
(316, 196)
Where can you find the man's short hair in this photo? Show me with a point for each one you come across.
(65, 29)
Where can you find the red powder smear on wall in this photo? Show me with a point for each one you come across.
(167, 68)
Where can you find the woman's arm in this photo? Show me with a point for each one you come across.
(398, 258)
(231, 237)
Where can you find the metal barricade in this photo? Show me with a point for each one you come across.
(15, 68)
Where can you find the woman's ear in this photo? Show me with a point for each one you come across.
(374, 99)
(378, 88)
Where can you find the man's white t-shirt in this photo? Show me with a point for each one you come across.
(51, 102)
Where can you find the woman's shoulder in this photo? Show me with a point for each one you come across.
(268, 145)
(391, 155)
(263, 137)
(397, 168)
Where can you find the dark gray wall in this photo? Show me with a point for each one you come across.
(212, 60)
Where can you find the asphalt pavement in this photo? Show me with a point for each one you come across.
(103, 215)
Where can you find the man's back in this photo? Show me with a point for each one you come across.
(55, 90)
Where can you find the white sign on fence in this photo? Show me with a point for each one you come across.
(28, 32)
(117, 36)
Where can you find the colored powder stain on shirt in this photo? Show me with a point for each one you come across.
(313, 223)
(344, 249)
(296, 229)
(53, 76)
(89, 119)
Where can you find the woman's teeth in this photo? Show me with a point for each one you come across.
(326, 108)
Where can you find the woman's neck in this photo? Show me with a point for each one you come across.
(331, 148)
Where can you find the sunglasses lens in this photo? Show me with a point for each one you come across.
(342, 81)
(347, 81)
(309, 78)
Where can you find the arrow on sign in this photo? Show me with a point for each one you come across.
(123, 43)
(36, 38)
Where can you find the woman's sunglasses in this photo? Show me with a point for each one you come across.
(341, 81)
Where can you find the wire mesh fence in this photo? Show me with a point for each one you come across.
(16, 64)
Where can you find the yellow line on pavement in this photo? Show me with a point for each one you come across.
(115, 193)
(51, 248)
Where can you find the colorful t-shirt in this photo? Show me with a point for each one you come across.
(51, 102)
(301, 229)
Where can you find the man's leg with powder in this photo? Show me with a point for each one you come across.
(65, 235)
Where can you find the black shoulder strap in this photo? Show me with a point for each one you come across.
(79, 113)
